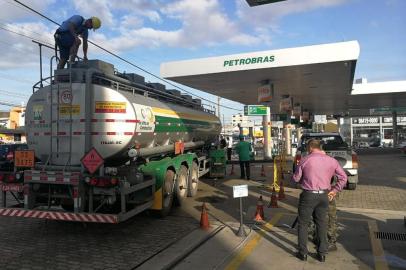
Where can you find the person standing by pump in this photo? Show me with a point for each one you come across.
(243, 150)
(314, 173)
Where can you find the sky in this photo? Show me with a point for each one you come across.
(149, 32)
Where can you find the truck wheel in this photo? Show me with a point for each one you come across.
(181, 185)
(352, 186)
(167, 193)
(193, 182)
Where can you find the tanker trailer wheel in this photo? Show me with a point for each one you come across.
(167, 193)
(193, 182)
(181, 185)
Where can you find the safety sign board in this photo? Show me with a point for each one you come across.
(240, 191)
(92, 160)
(24, 158)
(110, 107)
(69, 109)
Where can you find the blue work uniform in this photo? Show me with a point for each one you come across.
(64, 38)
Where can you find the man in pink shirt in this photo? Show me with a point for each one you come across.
(314, 173)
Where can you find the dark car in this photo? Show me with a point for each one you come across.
(7, 155)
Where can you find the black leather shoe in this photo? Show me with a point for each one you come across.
(301, 256)
(321, 258)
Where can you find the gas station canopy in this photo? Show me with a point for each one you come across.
(381, 97)
(318, 77)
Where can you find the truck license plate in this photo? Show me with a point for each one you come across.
(12, 187)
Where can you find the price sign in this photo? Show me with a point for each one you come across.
(24, 158)
(240, 191)
(92, 160)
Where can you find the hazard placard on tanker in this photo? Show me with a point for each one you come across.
(110, 107)
(69, 109)
(24, 158)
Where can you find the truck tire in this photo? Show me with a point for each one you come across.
(181, 185)
(167, 193)
(193, 182)
(352, 186)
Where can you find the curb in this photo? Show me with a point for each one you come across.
(173, 254)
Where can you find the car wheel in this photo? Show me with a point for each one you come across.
(352, 186)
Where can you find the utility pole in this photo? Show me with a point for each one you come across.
(218, 107)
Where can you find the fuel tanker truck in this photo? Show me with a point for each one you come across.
(105, 146)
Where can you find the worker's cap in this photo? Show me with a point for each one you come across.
(96, 23)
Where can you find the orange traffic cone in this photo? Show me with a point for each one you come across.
(274, 200)
(232, 169)
(259, 213)
(281, 194)
(204, 218)
(263, 170)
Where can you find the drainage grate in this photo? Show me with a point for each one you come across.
(391, 236)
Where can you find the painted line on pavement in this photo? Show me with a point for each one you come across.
(377, 248)
(240, 257)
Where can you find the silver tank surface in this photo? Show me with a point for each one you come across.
(119, 120)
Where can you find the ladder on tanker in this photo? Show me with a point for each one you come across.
(55, 120)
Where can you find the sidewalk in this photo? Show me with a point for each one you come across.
(273, 244)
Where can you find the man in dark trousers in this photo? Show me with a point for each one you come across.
(314, 173)
(243, 150)
(67, 37)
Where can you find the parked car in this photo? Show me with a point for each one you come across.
(334, 146)
(363, 145)
(402, 147)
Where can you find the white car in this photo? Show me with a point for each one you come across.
(334, 146)
(402, 147)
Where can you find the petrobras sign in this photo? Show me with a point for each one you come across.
(265, 93)
(255, 110)
(248, 61)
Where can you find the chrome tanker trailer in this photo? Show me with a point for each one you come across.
(107, 146)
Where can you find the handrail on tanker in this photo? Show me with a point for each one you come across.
(144, 89)
(129, 86)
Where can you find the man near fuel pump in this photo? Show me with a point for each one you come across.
(67, 37)
(314, 173)
(243, 150)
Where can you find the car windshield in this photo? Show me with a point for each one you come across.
(328, 142)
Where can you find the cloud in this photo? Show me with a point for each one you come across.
(202, 23)
(12, 10)
(19, 51)
(111, 12)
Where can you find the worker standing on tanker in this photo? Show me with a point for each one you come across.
(67, 37)
(314, 173)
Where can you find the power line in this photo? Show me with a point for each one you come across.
(9, 104)
(128, 62)
(13, 78)
(23, 35)
(8, 93)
